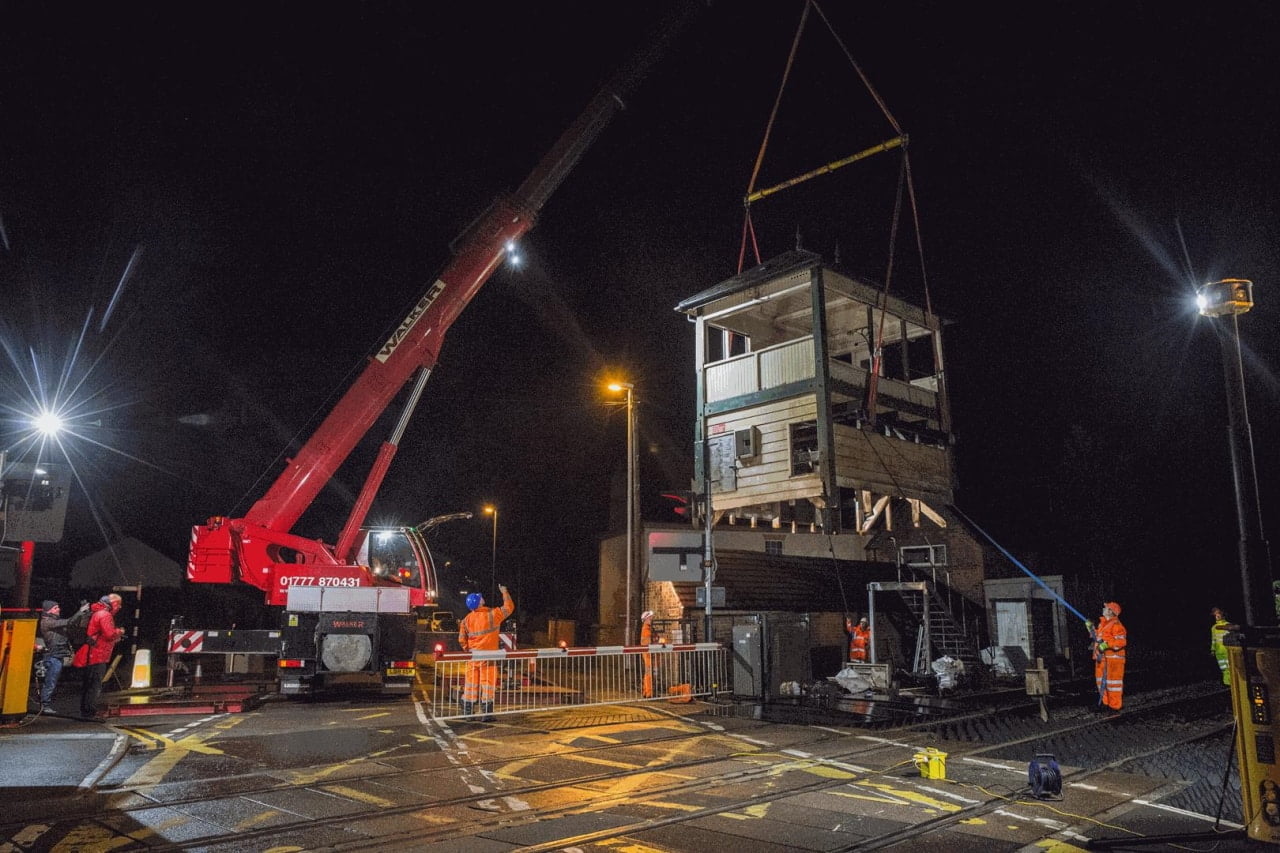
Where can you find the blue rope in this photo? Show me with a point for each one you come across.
(1027, 571)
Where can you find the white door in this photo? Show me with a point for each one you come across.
(1011, 625)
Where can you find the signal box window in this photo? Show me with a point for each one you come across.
(722, 344)
(923, 556)
(804, 447)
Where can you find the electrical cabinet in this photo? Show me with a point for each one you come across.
(746, 442)
(748, 660)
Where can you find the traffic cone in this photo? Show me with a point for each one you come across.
(141, 668)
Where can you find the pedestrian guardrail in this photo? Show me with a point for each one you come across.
(542, 679)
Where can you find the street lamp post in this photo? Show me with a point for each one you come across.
(1230, 298)
(631, 497)
(492, 509)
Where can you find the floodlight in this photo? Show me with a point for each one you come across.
(1221, 298)
(48, 423)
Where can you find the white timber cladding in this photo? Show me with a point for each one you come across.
(869, 460)
(787, 362)
(771, 367)
(732, 378)
(865, 459)
(767, 476)
(792, 361)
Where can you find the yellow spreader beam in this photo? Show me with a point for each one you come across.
(895, 142)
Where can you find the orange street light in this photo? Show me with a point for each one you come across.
(631, 496)
(491, 509)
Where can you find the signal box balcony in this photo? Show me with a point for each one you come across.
(795, 429)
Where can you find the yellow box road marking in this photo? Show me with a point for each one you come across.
(171, 753)
(913, 796)
(91, 836)
(360, 796)
(755, 812)
(603, 762)
(260, 817)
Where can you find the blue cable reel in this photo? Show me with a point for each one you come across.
(1045, 777)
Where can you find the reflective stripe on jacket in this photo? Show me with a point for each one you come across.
(1111, 632)
(1217, 634)
(859, 643)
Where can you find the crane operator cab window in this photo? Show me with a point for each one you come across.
(389, 556)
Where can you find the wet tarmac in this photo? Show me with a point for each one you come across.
(360, 774)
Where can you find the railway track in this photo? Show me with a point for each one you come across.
(701, 762)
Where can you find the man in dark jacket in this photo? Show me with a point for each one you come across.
(96, 654)
(57, 651)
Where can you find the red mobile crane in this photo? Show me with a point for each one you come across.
(351, 610)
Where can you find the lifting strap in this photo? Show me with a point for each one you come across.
(877, 352)
(764, 143)
(905, 179)
(915, 218)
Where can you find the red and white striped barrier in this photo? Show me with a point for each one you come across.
(184, 642)
(591, 651)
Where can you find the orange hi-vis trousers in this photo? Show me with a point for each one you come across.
(1108, 671)
(481, 684)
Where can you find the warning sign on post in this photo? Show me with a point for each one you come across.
(717, 596)
(675, 556)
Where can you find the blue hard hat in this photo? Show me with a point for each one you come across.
(474, 600)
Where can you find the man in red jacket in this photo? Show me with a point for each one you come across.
(96, 654)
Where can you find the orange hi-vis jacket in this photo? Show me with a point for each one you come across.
(859, 640)
(1108, 667)
(1111, 632)
(479, 630)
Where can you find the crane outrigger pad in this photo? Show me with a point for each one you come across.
(197, 699)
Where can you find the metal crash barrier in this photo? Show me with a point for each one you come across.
(543, 679)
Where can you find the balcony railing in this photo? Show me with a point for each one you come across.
(792, 361)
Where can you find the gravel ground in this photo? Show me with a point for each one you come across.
(1201, 763)
(1140, 740)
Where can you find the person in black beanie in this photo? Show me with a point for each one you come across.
(57, 651)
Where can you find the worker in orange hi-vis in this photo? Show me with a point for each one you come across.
(646, 639)
(1108, 642)
(479, 633)
(859, 639)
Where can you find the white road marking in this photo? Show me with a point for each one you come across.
(192, 725)
(1175, 810)
(117, 752)
(478, 780)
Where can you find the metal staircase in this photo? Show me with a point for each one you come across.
(937, 633)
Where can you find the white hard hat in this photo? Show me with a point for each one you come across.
(648, 614)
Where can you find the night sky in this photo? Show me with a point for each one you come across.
(286, 180)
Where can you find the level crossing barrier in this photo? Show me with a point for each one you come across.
(544, 679)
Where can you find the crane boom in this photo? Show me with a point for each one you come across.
(251, 549)
(416, 342)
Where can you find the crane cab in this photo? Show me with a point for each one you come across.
(399, 555)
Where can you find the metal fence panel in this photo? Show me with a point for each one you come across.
(542, 679)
